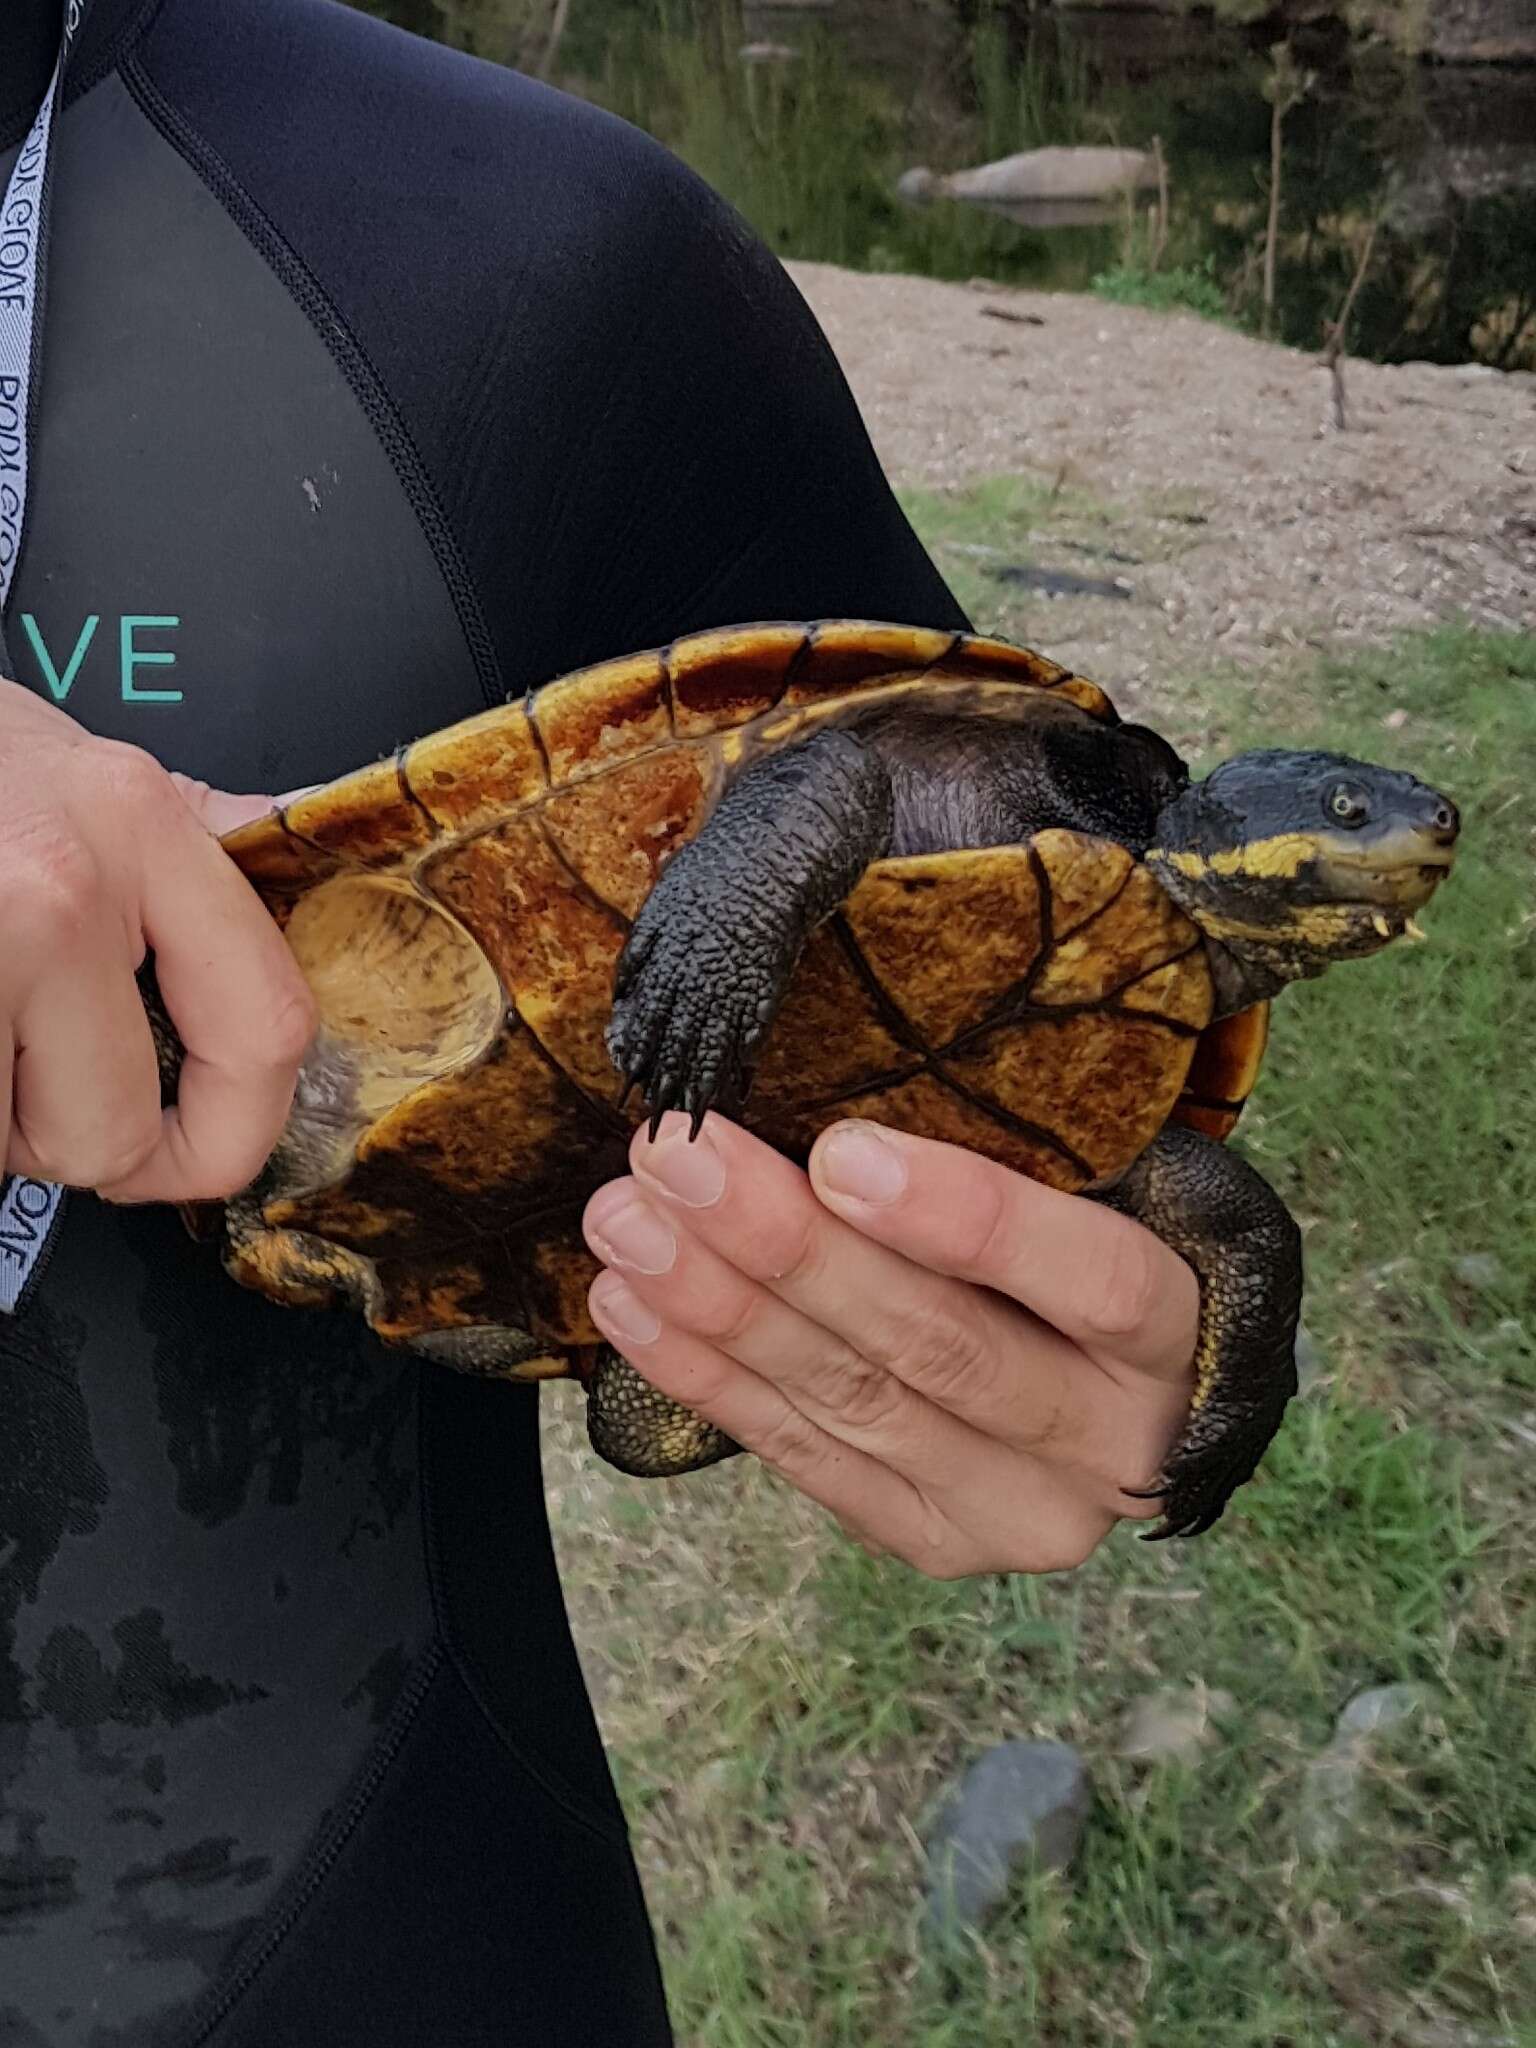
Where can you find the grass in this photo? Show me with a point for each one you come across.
(785, 1711)
(1185, 288)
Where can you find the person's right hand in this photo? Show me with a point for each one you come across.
(103, 854)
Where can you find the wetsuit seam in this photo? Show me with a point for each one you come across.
(287, 1909)
(550, 1781)
(346, 351)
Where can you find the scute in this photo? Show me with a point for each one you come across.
(602, 715)
(948, 935)
(1223, 1071)
(720, 680)
(552, 943)
(478, 771)
(368, 819)
(616, 830)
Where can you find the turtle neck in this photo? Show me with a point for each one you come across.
(29, 42)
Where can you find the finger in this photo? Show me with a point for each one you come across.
(219, 810)
(1006, 1373)
(7, 1065)
(1008, 1518)
(828, 1379)
(84, 1018)
(1098, 1277)
(241, 1007)
(865, 1495)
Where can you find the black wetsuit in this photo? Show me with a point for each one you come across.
(377, 384)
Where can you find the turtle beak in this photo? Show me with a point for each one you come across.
(1401, 862)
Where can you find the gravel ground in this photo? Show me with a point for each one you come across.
(1288, 533)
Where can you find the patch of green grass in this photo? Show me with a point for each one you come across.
(1002, 520)
(1186, 288)
(786, 1711)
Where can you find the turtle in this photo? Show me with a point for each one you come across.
(794, 873)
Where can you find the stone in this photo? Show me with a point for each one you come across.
(1057, 174)
(917, 185)
(1482, 31)
(1022, 1805)
(1392, 1273)
(1331, 1788)
(1171, 1724)
(1382, 1706)
(1479, 1270)
(1311, 1365)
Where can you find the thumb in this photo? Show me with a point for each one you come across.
(216, 810)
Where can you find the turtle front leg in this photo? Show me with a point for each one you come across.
(712, 951)
(1227, 1222)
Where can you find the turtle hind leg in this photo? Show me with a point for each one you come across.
(1227, 1222)
(642, 1432)
(305, 1271)
(489, 1351)
(716, 941)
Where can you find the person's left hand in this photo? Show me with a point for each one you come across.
(966, 1368)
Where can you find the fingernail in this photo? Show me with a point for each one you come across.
(858, 1160)
(689, 1168)
(634, 1236)
(620, 1313)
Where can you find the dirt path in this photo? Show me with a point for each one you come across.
(1283, 532)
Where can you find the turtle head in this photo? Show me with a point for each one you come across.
(1290, 861)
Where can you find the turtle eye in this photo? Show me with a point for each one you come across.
(1348, 804)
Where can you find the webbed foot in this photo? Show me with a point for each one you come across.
(643, 1432)
(712, 951)
(693, 996)
(1227, 1222)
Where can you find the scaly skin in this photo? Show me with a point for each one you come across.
(716, 941)
(644, 1432)
(1227, 1222)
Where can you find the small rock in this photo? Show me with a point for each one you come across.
(1311, 1365)
(710, 1788)
(1479, 1270)
(1021, 1805)
(1172, 1723)
(1382, 1706)
(1331, 1789)
(1392, 1274)
(917, 186)
(1395, 720)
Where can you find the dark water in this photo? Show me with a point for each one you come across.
(1442, 161)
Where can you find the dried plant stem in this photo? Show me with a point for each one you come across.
(1335, 332)
(556, 35)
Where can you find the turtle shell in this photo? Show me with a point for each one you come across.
(460, 908)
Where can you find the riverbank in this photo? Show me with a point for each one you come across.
(1258, 529)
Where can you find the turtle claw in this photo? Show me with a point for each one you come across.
(691, 1000)
(1204, 1471)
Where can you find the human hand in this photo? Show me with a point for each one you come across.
(103, 855)
(964, 1367)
